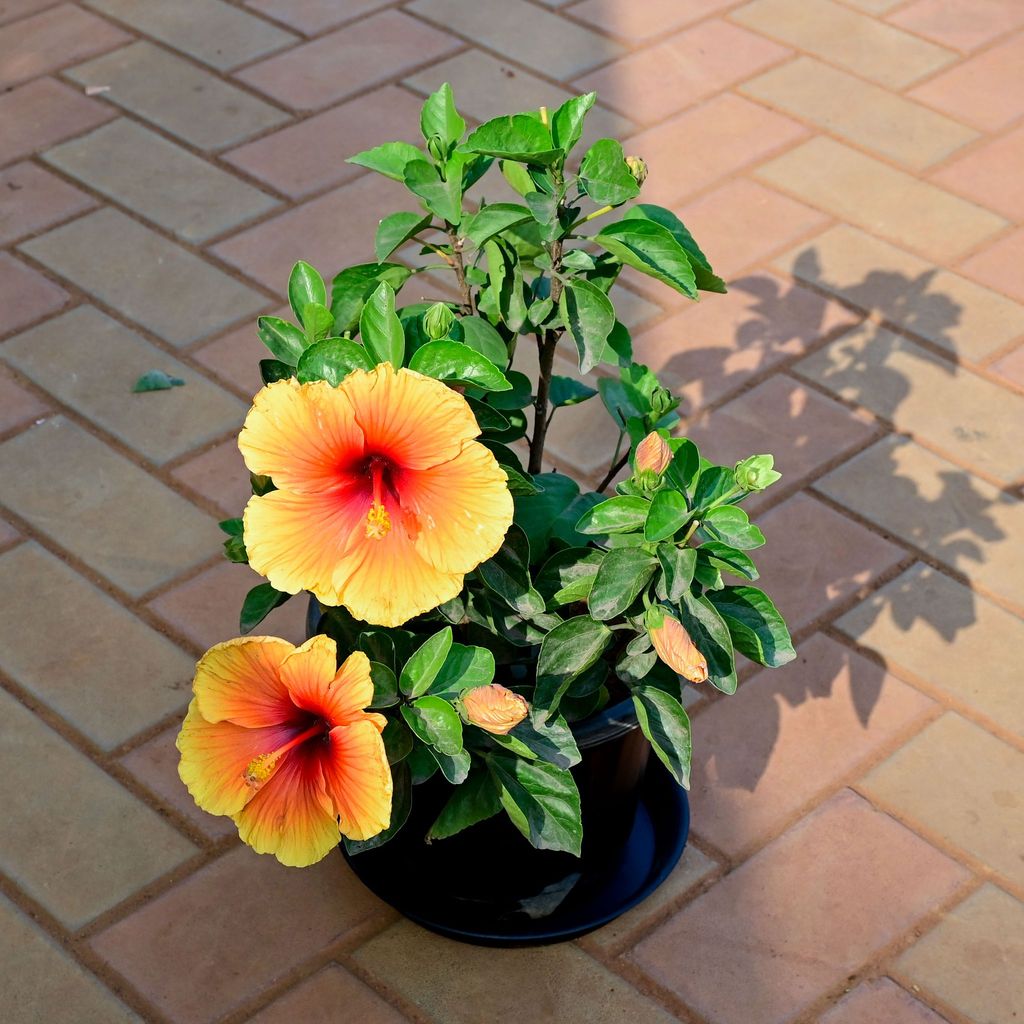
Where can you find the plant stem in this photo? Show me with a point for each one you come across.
(468, 299)
(590, 216)
(546, 345)
(616, 466)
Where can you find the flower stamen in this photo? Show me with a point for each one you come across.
(262, 766)
(378, 521)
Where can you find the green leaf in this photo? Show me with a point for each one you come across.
(756, 627)
(401, 805)
(537, 513)
(389, 159)
(480, 336)
(398, 741)
(550, 741)
(285, 341)
(435, 722)
(305, 285)
(385, 686)
(464, 668)
(451, 360)
(623, 575)
(258, 604)
(380, 328)
(519, 397)
(517, 176)
(395, 229)
(605, 176)
(508, 575)
(440, 118)
(454, 767)
(731, 525)
(728, 559)
(713, 483)
(317, 320)
(683, 470)
(541, 800)
(678, 565)
(567, 121)
(505, 276)
(272, 370)
(566, 652)
(354, 285)
(621, 514)
(442, 197)
(566, 568)
(667, 515)
(232, 527)
(567, 391)
(543, 207)
(156, 380)
(475, 800)
(710, 633)
(234, 550)
(665, 724)
(651, 249)
(422, 668)
(514, 137)
(332, 360)
(589, 317)
(707, 280)
(492, 220)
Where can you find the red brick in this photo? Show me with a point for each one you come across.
(32, 199)
(53, 39)
(11, 10)
(310, 156)
(17, 406)
(313, 16)
(998, 265)
(804, 727)
(802, 915)
(25, 295)
(991, 175)
(220, 476)
(318, 1000)
(235, 356)
(880, 1002)
(964, 27)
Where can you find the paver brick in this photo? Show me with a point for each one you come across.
(989, 174)
(17, 405)
(219, 475)
(179, 97)
(318, 999)
(998, 264)
(160, 181)
(149, 279)
(74, 840)
(103, 509)
(880, 1002)
(766, 936)
(643, 22)
(214, 32)
(968, 320)
(964, 27)
(312, 16)
(25, 295)
(862, 112)
(231, 930)
(235, 356)
(336, 65)
(104, 671)
(60, 356)
(971, 960)
(12, 10)
(963, 784)
(1011, 366)
(32, 199)
(864, 191)
(864, 45)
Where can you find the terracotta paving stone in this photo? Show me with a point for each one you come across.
(641, 23)
(926, 501)
(312, 16)
(160, 181)
(988, 175)
(964, 415)
(205, 609)
(971, 960)
(143, 275)
(319, 998)
(561, 48)
(1011, 366)
(25, 295)
(155, 765)
(689, 66)
(998, 264)
(976, 808)
(932, 630)
(60, 356)
(125, 677)
(219, 475)
(962, 27)
(11, 10)
(805, 727)
(179, 97)
(861, 44)
(231, 930)
(32, 199)
(311, 232)
(216, 33)
(879, 198)
(17, 406)
(94, 846)
(334, 66)
(864, 113)
(880, 1002)
(53, 39)
(968, 320)
(986, 91)
(765, 935)
(102, 508)
(42, 112)
(311, 155)
(711, 348)
(235, 356)
(741, 222)
(43, 983)
(452, 983)
(733, 133)
(816, 557)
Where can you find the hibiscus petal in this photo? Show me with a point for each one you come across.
(304, 436)
(358, 779)
(337, 696)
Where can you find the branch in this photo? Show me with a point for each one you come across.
(616, 466)
(468, 299)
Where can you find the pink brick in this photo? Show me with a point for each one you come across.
(656, 82)
(649, 20)
(17, 405)
(1011, 366)
(220, 476)
(312, 16)
(962, 26)
(804, 727)
(235, 356)
(998, 265)
(319, 999)
(25, 295)
(880, 1002)
(12, 10)
(32, 199)
(991, 175)
(798, 918)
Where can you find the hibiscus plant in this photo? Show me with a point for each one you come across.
(469, 605)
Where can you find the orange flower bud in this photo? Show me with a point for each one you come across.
(674, 646)
(653, 454)
(494, 708)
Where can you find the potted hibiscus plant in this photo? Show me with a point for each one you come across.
(494, 651)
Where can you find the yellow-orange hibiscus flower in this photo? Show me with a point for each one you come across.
(277, 737)
(384, 501)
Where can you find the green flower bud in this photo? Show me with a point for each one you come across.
(638, 168)
(437, 321)
(756, 473)
(662, 402)
(436, 148)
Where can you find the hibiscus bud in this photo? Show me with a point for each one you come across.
(638, 168)
(437, 321)
(662, 402)
(436, 148)
(653, 454)
(675, 648)
(756, 473)
(494, 708)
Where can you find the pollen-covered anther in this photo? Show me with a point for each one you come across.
(378, 522)
(259, 769)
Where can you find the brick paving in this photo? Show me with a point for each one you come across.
(853, 168)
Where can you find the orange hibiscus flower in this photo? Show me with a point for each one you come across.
(384, 501)
(278, 738)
